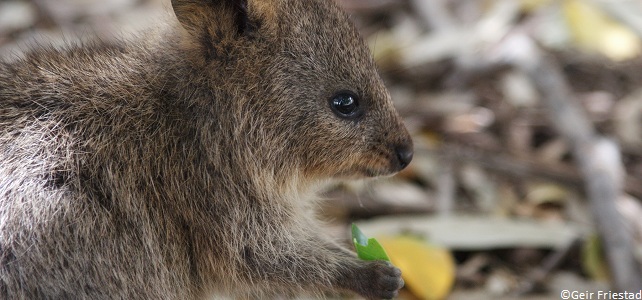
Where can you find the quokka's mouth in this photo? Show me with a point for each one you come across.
(359, 173)
(386, 163)
(368, 173)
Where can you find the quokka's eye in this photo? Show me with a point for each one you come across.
(345, 104)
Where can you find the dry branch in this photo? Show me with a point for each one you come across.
(597, 157)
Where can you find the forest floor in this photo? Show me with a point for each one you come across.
(527, 123)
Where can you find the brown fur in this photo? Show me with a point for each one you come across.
(184, 163)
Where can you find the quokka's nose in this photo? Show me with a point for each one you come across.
(404, 154)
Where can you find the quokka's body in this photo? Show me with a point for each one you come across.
(183, 163)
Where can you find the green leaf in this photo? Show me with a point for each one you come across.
(367, 248)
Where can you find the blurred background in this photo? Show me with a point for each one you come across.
(527, 122)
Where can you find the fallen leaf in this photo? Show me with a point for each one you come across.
(593, 261)
(428, 270)
(594, 30)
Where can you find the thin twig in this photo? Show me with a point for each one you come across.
(539, 275)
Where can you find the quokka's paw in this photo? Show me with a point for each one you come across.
(378, 280)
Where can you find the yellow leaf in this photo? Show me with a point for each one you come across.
(593, 259)
(428, 270)
(595, 31)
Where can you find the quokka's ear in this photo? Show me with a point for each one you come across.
(221, 18)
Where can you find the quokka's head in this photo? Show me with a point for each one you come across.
(305, 92)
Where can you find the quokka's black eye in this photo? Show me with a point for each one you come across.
(345, 105)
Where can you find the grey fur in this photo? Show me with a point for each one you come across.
(184, 163)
